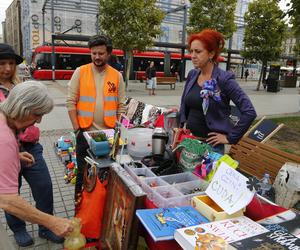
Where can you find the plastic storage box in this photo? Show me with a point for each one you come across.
(99, 148)
(108, 132)
(149, 185)
(179, 178)
(162, 196)
(169, 190)
(139, 174)
(192, 187)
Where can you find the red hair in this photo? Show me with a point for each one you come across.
(212, 40)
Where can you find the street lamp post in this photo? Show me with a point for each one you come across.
(52, 40)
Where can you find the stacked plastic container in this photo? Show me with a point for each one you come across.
(168, 190)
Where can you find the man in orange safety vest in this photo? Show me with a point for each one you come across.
(96, 97)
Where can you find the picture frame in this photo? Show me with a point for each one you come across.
(120, 224)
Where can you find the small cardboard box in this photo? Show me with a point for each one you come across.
(208, 208)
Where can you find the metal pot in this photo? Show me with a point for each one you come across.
(159, 141)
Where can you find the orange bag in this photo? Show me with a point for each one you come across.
(91, 210)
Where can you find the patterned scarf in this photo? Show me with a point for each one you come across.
(209, 89)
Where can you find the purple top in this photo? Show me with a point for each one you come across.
(218, 113)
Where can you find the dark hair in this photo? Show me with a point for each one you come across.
(100, 40)
(212, 41)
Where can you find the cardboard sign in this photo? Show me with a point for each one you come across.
(263, 130)
(124, 125)
(228, 189)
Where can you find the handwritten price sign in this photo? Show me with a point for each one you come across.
(229, 190)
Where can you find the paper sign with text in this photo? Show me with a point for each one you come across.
(228, 189)
(124, 125)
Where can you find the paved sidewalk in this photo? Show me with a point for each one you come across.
(57, 124)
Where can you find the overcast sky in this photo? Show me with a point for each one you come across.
(5, 3)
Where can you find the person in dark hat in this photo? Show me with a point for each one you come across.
(34, 168)
(7, 52)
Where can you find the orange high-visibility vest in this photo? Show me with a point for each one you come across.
(87, 96)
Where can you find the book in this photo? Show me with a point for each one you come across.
(284, 233)
(217, 234)
(161, 223)
(120, 225)
(279, 238)
(288, 220)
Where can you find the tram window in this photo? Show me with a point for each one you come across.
(139, 64)
(43, 61)
(71, 61)
(78, 60)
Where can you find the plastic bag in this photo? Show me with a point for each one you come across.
(75, 240)
(192, 153)
(225, 158)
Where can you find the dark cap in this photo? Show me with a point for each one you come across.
(7, 52)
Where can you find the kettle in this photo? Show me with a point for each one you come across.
(159, 141)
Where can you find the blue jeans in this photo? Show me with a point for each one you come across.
(39, 180)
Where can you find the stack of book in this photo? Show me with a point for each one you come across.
(283, 233)
(280, 231)
(218, 233)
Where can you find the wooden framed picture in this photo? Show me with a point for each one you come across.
(120, 224)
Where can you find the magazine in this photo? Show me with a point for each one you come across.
(161, 223)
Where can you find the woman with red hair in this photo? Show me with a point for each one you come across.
(205, 102)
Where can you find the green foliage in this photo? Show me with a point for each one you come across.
(214, 14)
(294, 13)
(264, 31)
(99, 136)
(131, 24)
(296, 49)
(292, 122)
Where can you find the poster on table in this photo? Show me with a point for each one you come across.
(228, 189)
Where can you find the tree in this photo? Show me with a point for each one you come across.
(294, 13)
(264, 33)
(131, 24)
(214, 14)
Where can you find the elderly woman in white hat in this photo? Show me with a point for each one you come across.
(37, 174)
(24, 106)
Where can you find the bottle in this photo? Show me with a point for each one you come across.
(265, 185)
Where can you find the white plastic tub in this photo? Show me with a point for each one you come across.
(139, 142)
